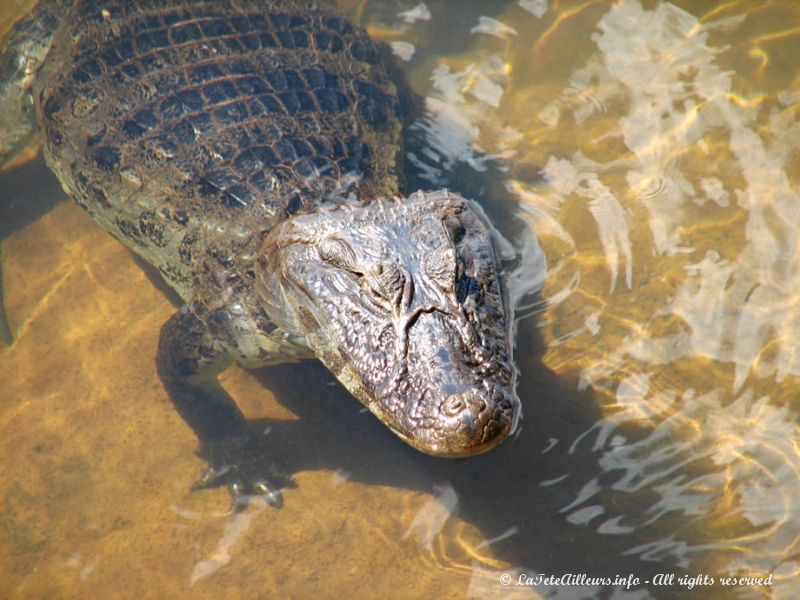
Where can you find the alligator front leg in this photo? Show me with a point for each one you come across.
(189, 360)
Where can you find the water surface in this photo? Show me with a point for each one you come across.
(654, 149)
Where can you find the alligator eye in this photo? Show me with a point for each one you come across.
(454, 228)
(337, 253)
(466, 284)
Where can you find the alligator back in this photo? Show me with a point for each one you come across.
(190, 128)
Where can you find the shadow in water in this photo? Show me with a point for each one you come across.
(26, 193)
(498, 491)
(525, 486)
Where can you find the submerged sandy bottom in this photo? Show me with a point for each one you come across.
(95, 498)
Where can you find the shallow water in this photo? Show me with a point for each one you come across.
(654, 149)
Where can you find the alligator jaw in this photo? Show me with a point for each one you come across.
(401, 301)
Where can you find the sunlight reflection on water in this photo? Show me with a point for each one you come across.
(663, 165)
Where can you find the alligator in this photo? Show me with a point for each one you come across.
(251, 152)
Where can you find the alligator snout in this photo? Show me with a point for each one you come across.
(471, 423)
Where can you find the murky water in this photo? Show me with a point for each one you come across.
(654, 149)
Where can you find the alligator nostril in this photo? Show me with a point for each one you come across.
(458, 403)
(454, 405)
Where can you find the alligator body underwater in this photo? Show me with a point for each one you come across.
(249, 150)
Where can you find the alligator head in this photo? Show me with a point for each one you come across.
(402, 302)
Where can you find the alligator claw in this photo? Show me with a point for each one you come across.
(273, 498)
(244, 468)
(210, 479)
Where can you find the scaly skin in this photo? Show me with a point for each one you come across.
(249, 151)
